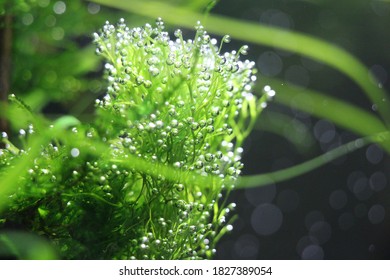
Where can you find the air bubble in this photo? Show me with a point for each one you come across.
(194, 126)
(177, 33)
(226, 39)
(215, 111)
(139, 80)
(179, 187)
(147, 83)
(154, 71)
(244, 50)
(75, 152)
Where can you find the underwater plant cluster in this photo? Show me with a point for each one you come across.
(149, 177)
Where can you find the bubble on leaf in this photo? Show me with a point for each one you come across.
(75, 152)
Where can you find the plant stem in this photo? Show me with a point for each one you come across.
(5, 62)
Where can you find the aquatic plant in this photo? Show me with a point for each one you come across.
(149, 177)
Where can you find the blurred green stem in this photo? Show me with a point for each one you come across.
(303, 168)
(5, 61)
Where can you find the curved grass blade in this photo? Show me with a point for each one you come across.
(341, 113)
(305, 167)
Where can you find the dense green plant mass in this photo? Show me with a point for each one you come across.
(171, 102)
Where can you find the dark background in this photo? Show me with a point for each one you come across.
(338, 211)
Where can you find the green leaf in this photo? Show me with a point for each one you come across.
(341, 113)
(307, 166)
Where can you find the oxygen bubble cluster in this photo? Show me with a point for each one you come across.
(171, 102)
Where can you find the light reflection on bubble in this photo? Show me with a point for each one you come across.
(376, 214)
(374, 154)
(338, 199)
(346, 221)
(246, 247)
(288, 200)
(313, 252)
(266, 219)
(261, 195)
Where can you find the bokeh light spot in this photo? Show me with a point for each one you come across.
(374, 154)
(376, 214)
(266, 219)
(313, 217)
(322, 231)
(313, 252)
(246, 247)
(59, 7)
(378, 181)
